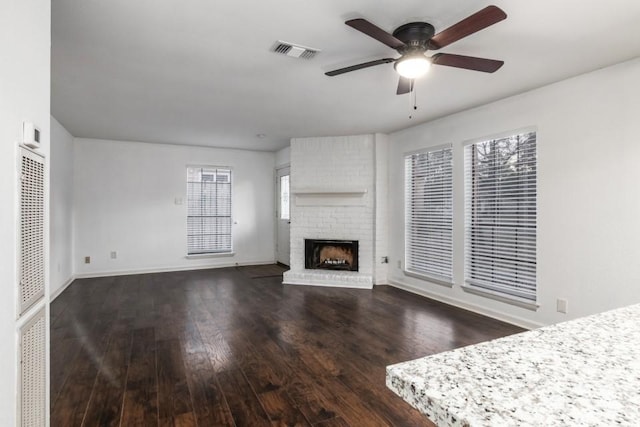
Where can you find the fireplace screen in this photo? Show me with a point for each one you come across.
(331, 254)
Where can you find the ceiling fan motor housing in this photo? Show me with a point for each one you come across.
(415, 35)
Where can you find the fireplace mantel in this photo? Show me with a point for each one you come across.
(330, 197)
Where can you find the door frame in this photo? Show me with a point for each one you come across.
(276, 180)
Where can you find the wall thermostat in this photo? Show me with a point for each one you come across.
(30, 135)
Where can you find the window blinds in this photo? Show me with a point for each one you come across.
(208, 210)
(429, 213)
(500, 220)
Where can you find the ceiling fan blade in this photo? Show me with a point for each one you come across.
(467, 62)
(405, 85)
(476, 22)
(359, 66)
(377, 33)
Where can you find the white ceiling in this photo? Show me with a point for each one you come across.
(201, 72)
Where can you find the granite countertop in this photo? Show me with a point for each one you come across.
(585, 372)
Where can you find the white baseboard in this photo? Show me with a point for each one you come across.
(61, 289)
(504, 317)
(167, 269)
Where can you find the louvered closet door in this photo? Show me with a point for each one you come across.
(31, 287)
(33, 371)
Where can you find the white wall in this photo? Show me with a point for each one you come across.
(381, 218)
(124, 198)
(588, 199)
(283, 157)
(61, 245)
(24, 95)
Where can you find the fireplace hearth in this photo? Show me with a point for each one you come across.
(339, 255)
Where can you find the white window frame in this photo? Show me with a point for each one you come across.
(227, 214)
(429, 257)
(490, 274)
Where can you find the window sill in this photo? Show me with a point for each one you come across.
(330, 192)
(529, 305)
(427, 278)
(212, 255)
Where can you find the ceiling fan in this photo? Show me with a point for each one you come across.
(414, 39)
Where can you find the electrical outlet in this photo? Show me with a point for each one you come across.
(114, 254)
(87, 260)
(399, 264)
(562, 305)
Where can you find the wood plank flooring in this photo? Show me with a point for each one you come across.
(235, 347)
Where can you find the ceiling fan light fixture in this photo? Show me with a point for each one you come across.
(413, 66)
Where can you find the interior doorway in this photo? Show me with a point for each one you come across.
(283, 211)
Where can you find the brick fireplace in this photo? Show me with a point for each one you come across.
(334, 205)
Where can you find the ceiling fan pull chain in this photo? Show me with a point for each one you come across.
(414, 94)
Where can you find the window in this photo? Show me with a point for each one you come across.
(208, 210)
(284, 197)
(500, 203)
(429, 213)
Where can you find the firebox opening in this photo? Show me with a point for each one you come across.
(331, 254)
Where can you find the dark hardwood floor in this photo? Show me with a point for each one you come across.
(234, 346)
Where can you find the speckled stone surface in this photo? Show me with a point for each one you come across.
(585, 372)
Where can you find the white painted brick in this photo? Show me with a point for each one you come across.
(332, 164)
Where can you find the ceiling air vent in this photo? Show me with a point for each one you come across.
(294, 50)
